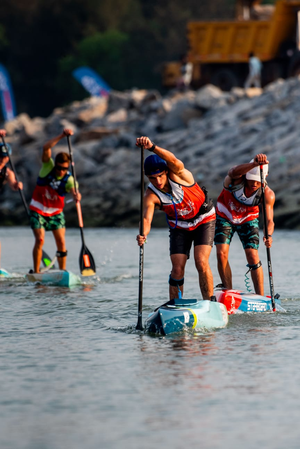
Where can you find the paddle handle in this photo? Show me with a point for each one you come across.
(139, 325)
(270, 271)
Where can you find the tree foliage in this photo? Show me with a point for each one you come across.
(125, 41)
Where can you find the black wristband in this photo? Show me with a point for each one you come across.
(152, 148)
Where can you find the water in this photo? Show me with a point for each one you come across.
(74, 373)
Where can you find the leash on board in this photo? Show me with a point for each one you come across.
(139, 325)
(46, 259)
(270, 271)
(86, 261)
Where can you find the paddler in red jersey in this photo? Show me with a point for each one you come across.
(190, 215)
(238, 211)
(48, 200)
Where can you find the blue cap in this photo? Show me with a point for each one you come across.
(5, 151)
(154, 164)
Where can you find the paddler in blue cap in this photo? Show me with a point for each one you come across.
(238, 211)
(190, 215)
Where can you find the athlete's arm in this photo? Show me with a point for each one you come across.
(150, 203)
(175, 166)
(11, 180)
(236, 172)
(52, 142)
(76, 195)
(270, 201)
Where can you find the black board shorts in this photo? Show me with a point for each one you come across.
(181, 240)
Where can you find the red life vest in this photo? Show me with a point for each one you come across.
(188, 201)
(236, 207)
(49, 194)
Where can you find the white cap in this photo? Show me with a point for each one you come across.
(254, 173)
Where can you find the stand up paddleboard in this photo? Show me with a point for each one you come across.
(4, 273)
(237, 301)
(59, 278)
(182, 314)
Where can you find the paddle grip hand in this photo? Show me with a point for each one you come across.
(68, 132)
(17, 186)
(261, 159)
(76, 195)
(141, 239)
(144, 142)
(2, 133)
(268, 241)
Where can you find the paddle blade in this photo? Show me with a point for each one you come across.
(47, 261)
(86, 262)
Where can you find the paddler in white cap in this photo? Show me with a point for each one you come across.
(238, 211)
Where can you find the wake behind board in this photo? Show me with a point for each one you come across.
(186, 314)
(4, 273)
(59, 278)
(237, 301)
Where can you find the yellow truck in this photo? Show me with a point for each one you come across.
(219, 51)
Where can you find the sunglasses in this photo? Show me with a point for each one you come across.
(61, 168)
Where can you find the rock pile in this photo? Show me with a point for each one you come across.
(208, 129)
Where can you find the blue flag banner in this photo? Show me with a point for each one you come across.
(91, 81)
(6, 93)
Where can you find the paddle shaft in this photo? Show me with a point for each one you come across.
(78, 206)
(86, 261)
(139, 325)
(270, 271)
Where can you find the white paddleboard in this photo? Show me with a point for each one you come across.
(54, 277)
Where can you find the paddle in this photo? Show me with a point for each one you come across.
(47, 262)
(86, 262)
(266, 236)
(139, 325)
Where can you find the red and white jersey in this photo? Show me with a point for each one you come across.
(46, 201)
(48, 197)
(188, 201)
(236, 207)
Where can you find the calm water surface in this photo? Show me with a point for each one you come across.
(74, 373)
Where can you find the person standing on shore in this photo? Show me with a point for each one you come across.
(255, 67)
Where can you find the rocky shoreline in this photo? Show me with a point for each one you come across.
(208, 129)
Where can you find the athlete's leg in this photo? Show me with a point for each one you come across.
(257, 274)
(37, 253)
(59, 235)
(201, 255)
(177, 274)
(223, 265)
(223, 236)
(249, 236)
